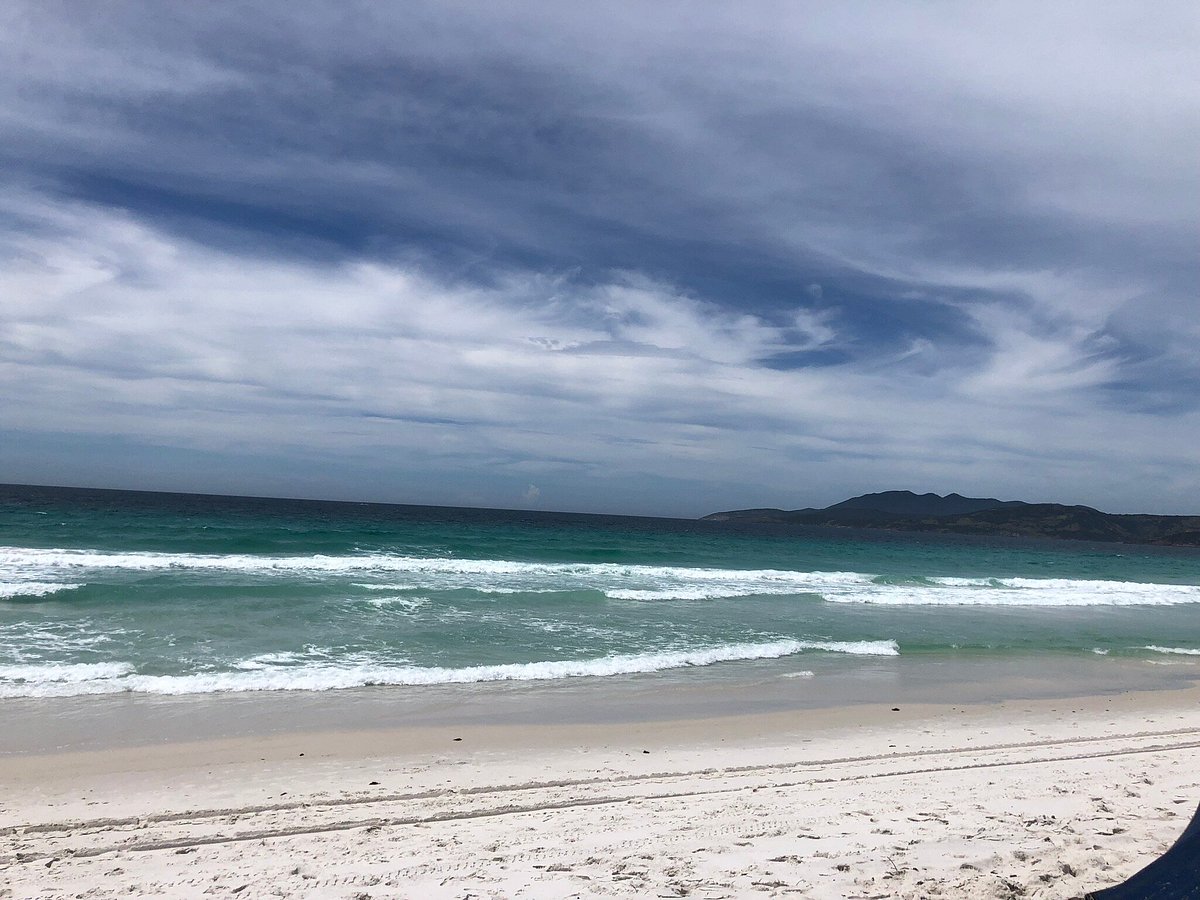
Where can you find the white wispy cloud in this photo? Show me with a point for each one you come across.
(485, 248)
(122, 327)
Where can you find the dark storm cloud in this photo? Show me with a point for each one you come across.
(825, 229)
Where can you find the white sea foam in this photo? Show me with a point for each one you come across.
(25, 566)
(381, 586)
(407, 603)
(945, 591)
(34, 675)
(24, 640)
(11, 589)
(267, 660)
(22, 558)
(277, 672)
(698, 593)
(1175, 651)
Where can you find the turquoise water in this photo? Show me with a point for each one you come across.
(106, 592)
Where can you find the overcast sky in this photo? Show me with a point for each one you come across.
(653, 258)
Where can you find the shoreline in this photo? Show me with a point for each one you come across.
(799, 685)
(934, 799)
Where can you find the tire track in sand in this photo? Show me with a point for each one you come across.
(190, 829)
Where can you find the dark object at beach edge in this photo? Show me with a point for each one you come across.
(1173, 876)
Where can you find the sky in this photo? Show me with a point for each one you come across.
(647, 258)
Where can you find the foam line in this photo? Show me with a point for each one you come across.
(10, 590)
(271, 672)
(39, 567)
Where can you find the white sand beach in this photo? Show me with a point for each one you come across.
(1044, 799)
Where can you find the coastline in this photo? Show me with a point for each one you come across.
(961, 799)
(797, 686)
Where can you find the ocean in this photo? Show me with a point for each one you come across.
(112, 592)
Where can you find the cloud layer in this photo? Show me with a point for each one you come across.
(654, 261)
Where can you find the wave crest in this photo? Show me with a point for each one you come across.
(275, 672)
(10, 590)
(1174, 651)
(36, 571)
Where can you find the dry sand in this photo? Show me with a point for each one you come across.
(1042, 799)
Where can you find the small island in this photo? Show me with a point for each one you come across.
(956, 514)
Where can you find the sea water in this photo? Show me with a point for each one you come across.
(105, 592)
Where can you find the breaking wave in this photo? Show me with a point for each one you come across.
(278, 671)
(1175, 651)
(10, 590)
(38, 572)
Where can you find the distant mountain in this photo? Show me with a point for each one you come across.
(953, 513)
(906, 503)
